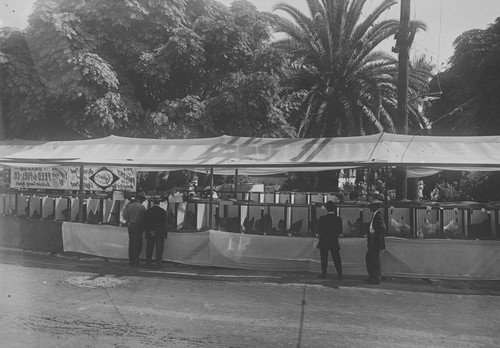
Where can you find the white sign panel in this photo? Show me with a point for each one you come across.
(68, 178)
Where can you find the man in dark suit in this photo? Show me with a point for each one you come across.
(329, 230)
(376, 242)
(156, 231)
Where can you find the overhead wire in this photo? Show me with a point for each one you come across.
(459, 108)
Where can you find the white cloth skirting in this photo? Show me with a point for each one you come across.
(466, 259)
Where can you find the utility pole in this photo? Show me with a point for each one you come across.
(402, 48)
(403, 44)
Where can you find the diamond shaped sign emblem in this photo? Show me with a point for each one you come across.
(104, 178)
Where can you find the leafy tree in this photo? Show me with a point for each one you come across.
(172, 70)
(481, 186)
(469, 104)
(142, 68)
(180, 118)
(24, 98)
(248, 107)
(83, 52)
(351, 88)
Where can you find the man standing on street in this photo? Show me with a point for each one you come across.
(376, 243)
(156, 231)
(329, 230)
(133, 214)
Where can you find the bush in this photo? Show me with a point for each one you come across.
(481, 186)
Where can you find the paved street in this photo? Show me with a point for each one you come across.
(77, 301)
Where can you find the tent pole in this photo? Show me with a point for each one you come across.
(385, 171)
(236, 184)
(210, 209)
(80, 196)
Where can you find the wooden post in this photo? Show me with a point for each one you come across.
(236, 184)
(80, 196)
(211, 200)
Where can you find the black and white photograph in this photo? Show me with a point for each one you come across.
(249, 173)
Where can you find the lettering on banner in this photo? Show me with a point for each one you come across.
(68, 178)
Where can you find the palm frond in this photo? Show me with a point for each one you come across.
(354, 13)
(315, 7)
(372, 38)
(371, 19)
(302, 20)
(371, 118)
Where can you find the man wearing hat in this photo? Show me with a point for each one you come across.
(156, 231)
(133, 214)
(376, 242)
(329, 229)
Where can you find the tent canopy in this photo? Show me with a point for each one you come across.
(262, 156)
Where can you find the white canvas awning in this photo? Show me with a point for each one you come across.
(262, 156)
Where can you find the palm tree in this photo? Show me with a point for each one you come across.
(351, 88)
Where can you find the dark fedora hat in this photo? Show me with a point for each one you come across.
(330, 206)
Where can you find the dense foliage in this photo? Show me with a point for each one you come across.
(150, 68)
(469, 104)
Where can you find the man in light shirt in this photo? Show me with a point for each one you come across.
(134, 213)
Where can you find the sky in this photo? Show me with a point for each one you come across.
(445, 19)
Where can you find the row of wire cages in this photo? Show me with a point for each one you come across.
(443, 223)
(273, 217)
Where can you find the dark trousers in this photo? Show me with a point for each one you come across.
(134, 243)
(337, 261)
(156, 239)
(372, 259)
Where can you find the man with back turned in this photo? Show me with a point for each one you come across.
(156, 231)
(133, 214)
(329, 230)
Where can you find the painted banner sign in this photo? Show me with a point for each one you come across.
(68, 178)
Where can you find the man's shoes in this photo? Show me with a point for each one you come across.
(158, 264)
(372, 281)
(149, 265)
(340, 276)
(322, 276)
